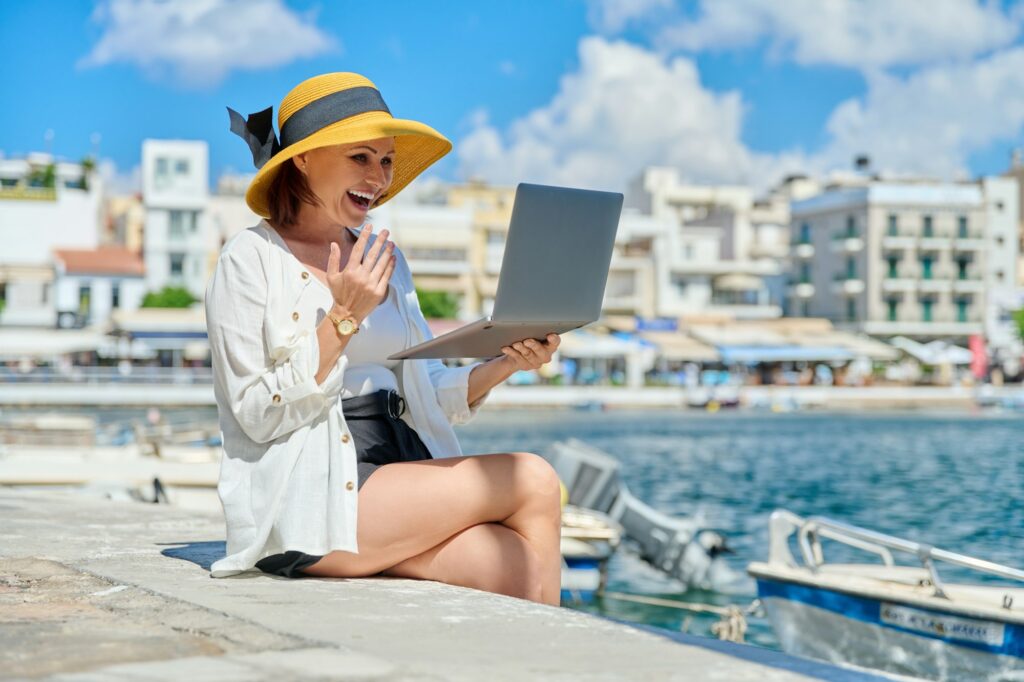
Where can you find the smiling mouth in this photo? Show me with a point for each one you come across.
(360, 201)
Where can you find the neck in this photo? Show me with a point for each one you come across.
(314, 227)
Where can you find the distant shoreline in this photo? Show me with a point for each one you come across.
(774, 398)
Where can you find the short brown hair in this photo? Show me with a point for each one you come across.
(287, 192)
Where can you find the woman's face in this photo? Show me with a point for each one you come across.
(348, 178)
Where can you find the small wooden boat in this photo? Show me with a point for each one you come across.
(899, 618)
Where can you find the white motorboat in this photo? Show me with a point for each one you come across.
(899, 618)
(589, 539)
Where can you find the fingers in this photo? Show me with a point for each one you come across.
(370, 261)
(359, 248)
(333, 259)
(389, 268)
(385, 260)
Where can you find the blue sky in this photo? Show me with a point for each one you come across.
(582, 92)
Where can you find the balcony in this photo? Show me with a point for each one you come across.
(972, 242)
(801, 290)
(935, 243)
(898, 242)
(934, 286)
(804, 251)
(847, 285)
(899, 284)
(847, 244)
(969, 285)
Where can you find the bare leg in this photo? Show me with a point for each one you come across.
(409, 508)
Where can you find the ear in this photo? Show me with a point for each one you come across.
(300, 161)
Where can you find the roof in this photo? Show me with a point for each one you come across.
(107, 260)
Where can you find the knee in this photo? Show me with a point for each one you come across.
(536, 480)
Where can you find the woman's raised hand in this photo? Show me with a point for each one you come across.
(360, 286)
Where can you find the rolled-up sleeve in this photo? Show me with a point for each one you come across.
(268, 377)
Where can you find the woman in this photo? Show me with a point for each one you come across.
(338, 462)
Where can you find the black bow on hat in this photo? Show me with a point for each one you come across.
(258, 132)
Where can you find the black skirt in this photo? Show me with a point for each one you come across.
(380, 437)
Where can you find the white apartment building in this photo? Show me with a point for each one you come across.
(719, 252)
(900, 258)
(178, 236)
(44, 205)
(90, 284)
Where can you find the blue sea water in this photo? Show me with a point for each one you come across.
(954, 480)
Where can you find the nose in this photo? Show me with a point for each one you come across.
(377, 176)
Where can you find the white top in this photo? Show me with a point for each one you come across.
(288, 473)
(381, 334)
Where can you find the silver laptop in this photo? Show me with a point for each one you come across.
(552, 276)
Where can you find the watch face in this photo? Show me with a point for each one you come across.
(346, 327)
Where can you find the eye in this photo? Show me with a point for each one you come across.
(361, 158)
(387, 161)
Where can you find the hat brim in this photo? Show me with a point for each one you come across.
(417, 146)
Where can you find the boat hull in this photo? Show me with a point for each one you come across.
(845, 628)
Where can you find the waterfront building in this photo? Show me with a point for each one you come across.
(92, 283)
(720, 250)
(920, 259)
(178, 235)
(125, 222)
(45, 204)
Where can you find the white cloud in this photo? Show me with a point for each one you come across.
(117, 182)
(199, 42)
(626, 108)
(611, 16)
(931, 121)
(861, 34)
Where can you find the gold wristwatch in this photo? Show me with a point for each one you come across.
(346, 326)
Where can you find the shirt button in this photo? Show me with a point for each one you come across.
(276, 398)
(295, 316)
(344, 438)
(350, 485)
(305, 275)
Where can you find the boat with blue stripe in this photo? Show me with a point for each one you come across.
(895, 617)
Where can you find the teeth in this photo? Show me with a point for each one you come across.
(364, 195)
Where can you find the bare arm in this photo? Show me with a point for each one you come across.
(528, 354)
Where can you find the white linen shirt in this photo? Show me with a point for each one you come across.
(288, 473)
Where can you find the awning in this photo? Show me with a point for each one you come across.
(586, 345)
(755, 354)
(934, 353)
(736, 281)
(679, 346)
(42, 343)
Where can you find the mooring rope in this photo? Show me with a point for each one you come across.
(732, 626)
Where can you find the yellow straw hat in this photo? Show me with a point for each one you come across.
(334, 108)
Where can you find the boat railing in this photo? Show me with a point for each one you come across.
(810, 531)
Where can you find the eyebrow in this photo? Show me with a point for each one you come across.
(363, 146)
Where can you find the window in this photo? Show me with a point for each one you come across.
(894, 228)
(961, 269)
(193, 221)
(805, 273)
(805, 233)
(805, 309)
(961, 310)
(176, 225)
(115, 295)
(851, 309)
(181, 167)
(926, 268)
(177, 264)
(928, 229)
(162, 168)
(926, 309)
(851, 268)
(894, 267)
(851, 226)
(84, 296)
(961, 227)
(893, 309)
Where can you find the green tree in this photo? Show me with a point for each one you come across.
(43, 177)
(169, 297)
(438, 304)
(88, 166)
(1018, 317)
